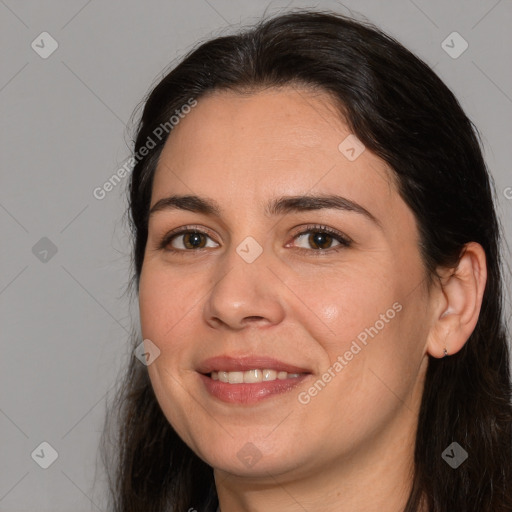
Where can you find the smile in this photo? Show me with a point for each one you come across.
(245, 380)
(252, 376)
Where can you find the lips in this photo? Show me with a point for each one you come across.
(241, 364)
(236, 390)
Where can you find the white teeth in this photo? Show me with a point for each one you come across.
(235, 377)
(252, 376)
(269, 375)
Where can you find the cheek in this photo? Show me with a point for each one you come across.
(372, 350)
(340, 307)
(163, 303)
(357, 322)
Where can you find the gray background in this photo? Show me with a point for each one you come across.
(64, 319)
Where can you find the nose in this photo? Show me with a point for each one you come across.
(246, 293)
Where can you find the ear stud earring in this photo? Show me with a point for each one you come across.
(445, 352)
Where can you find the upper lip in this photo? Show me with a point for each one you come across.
(240, 364)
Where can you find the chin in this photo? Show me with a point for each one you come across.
(257, 460)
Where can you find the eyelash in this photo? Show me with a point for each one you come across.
(344, 241)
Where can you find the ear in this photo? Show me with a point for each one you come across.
(456, 302)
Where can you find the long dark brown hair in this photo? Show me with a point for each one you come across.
(401, 111)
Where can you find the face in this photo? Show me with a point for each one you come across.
(329, 288)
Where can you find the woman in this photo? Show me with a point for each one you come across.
(317, 265)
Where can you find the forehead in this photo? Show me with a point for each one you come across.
(270, 124)
(269, 142)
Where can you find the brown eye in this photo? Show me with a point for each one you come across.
(187, 240)
(321, 239)
(194, 240)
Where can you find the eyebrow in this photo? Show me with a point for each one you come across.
(280, 206)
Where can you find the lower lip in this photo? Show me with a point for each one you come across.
(249, 393)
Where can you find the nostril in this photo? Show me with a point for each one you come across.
(253, 318)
